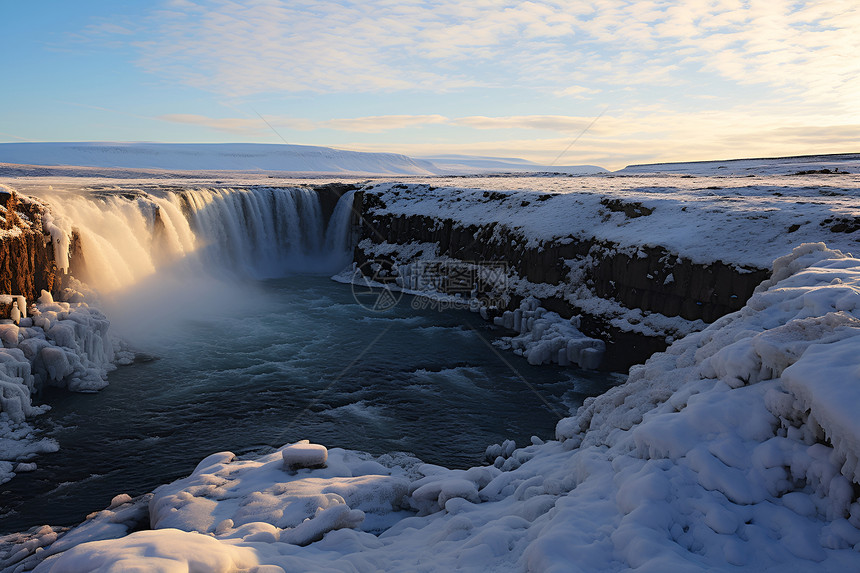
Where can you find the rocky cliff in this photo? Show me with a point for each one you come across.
(636, 299)
(26, 251)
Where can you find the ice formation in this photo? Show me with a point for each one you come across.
(545, 337)
(734, 450)
(61, 344)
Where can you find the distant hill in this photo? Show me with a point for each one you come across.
(214, 157)
(456, 164)
(843, 162)
(256, 157)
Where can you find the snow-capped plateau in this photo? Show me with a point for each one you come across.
(213, 157)
(251, 157)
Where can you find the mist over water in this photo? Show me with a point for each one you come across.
(247, 362)
(155, 256)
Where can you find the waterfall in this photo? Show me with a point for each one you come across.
(339, 234)
(255, 232)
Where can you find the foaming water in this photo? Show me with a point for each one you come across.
(297, 360)
(155, 256)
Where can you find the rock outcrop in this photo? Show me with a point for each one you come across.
(26, 251)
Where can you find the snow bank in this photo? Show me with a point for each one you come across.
(734, 450)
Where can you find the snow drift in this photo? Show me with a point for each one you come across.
(736, 448)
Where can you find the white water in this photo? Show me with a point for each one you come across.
(156, 256)
(255, 232)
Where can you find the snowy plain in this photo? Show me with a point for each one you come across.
(741, 220)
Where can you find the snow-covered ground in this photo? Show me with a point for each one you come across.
(739, 220)
(737, 449)
(844, 163)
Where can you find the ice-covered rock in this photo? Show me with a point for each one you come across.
(63, 344)
(545, 337)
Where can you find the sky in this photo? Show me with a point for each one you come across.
(607, 83)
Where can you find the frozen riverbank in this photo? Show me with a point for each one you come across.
(726, 451)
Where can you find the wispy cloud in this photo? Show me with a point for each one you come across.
(239, 125)
(300, 45)
(613, 141)
(558, 123)
(377, 124)
(255, 125)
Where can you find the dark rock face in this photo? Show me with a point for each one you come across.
(26, 252)
(329, 195)
(648, 278)
(665, 283)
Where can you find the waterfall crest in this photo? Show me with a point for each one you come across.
(119, 237)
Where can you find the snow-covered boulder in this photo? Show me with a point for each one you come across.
(304, 455)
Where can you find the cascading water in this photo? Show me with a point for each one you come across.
(256, 232)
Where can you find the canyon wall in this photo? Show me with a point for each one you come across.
(26, 250)
(621, 295)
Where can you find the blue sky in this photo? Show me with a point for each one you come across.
(668, 81)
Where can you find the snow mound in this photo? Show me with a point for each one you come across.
(734, 450)
(304, 455)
